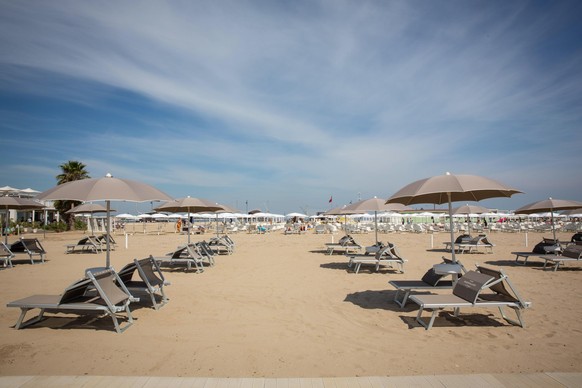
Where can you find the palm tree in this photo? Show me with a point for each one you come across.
(71, 171)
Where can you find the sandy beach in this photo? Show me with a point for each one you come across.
(280, 307)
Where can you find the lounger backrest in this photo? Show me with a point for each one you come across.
(32, 245)
(383, 252)
(470, 285)
(394, 252)
(462, 239)
(105, 284)
(75, 291)
(573, 251)
(497, 287)
(126, 273)
(431, 277)
(146, 271)
(83, 241)
(178, 252)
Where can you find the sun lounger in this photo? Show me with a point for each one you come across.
(6, 255)
(471, 291)
(430, 281)
(222, 245)
(100, 292)
(546, 248)
(151, 279)
(205, 251)
(84, 245)
(102, 240)
(472, 244)
(346, 244)
(183, 255)
(571, 253)
(386, 256)
(30, 246)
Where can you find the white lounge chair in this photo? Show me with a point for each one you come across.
(30, 246)
(346, 244)
(471, 291)
(151, 279)
(100, 292)
(385, 256)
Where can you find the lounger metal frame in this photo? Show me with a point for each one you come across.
(436, 303)
(80, 289)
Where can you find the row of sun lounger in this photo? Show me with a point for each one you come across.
(91, 244)
(27, 246)
(468, 244)
(109, 293)
(198, 255)
(484, 287)
(385, 256)
(556, 255)
(102, 291)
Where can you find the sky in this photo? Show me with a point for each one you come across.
(282, 105)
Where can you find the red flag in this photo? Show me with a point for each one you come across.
(330, 199)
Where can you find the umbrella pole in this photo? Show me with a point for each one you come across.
(376, 225)
(189, 226)
(107, 259)
(7, 226)
(553, 226)
(217, 236)
(451, 228)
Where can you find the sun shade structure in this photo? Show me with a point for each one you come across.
(105, 189)
(450, 188)
(17, 203)
(189, 205)
(549, 205)
(375, 205)
(89, 208)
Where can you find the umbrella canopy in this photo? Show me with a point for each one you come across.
(573, 213)
(105, 189)
(450, 188)
(17, 203)
(190, 205)
(468, 210)
(375, 205)
(549, 205)
(89, 208)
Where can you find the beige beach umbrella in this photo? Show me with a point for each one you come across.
(89, 208)
(450, 188)
(375, 204)
(549, 205)
(16, 203)
(470, 209)
(189, 205)
(105, 189)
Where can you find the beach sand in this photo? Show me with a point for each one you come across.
(280, 307)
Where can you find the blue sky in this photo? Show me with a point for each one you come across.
(286, 103)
